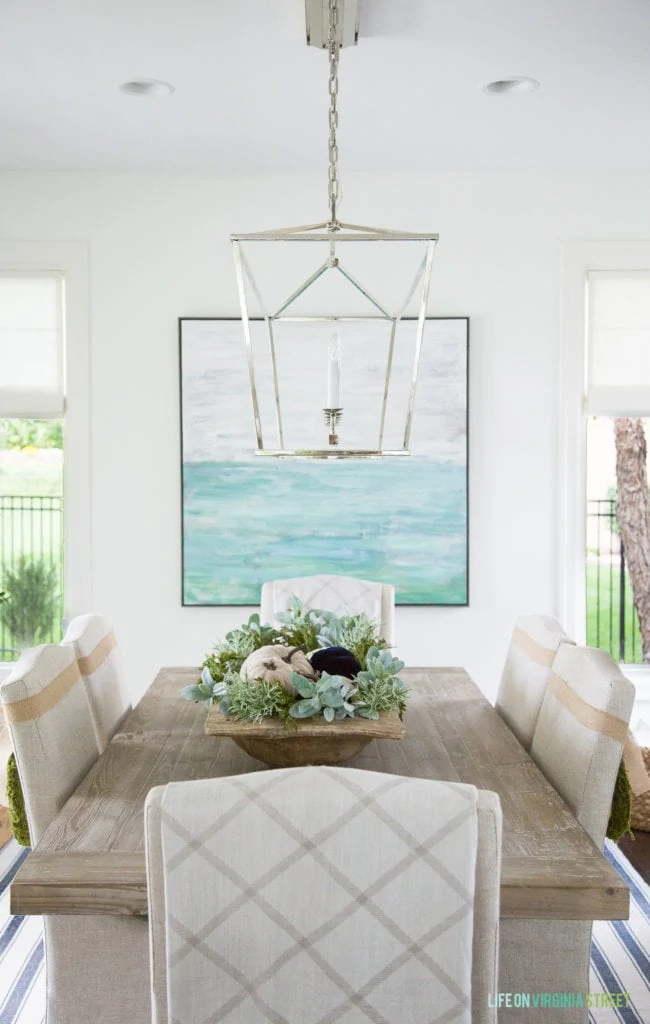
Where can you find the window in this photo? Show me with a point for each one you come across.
(618, 343)
(31, 460)
(31, 345)
(617, 385)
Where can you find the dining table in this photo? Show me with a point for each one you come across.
(91, 860)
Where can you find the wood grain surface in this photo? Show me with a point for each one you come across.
(91, 859)
(387, 726)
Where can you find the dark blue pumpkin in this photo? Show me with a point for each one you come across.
(338, 661)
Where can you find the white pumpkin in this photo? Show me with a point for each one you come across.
(275, 664)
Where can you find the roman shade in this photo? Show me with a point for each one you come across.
(31, 345)
(618, 343)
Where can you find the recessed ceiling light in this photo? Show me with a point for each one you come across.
(146, 87)
(510, 85)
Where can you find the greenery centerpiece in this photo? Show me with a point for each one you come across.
(260, 671)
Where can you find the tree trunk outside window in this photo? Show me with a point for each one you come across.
(632, 513)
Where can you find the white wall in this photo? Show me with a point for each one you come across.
(159, 249)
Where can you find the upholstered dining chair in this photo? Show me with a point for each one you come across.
(343, 595)
(578, 744)
(526, 672)
(96, 965)
(93, 641)
(5, 751)
(372, 897)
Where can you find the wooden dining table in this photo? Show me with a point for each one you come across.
(91, 860)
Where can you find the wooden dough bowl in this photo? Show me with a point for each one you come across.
(310, 741)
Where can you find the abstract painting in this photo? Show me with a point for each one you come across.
(247, 519)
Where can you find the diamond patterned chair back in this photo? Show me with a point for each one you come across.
(342, 595)
(93, 641)
(316, 894)
(526, 672)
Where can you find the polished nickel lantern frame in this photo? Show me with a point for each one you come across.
(335, 234)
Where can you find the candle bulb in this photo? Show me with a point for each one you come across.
(334, 373)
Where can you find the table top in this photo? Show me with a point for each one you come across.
(91, 859)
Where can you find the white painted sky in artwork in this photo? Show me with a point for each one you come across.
(217, 408)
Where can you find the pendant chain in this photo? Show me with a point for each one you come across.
(333, 50)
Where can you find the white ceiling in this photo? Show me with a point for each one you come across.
(250, 95)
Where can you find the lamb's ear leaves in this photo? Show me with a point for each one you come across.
(305, 708)
(206, 676)
(328, 714)
(194, 693)
(305, 687)
(331, 699)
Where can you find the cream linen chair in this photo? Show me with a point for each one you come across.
(95, 648)
(534, 643)
(96, 965)
(578, 744)
(371, 898)
(343, 595)
(5, 751)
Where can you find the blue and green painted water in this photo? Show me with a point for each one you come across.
(399, 521)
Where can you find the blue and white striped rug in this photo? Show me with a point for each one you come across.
(22, 973)
(620, 951)
(620, 954)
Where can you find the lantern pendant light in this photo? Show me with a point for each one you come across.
(336, 239)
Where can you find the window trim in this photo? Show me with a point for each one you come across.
(578, 259)
(71, 260)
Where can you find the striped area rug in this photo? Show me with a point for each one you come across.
(620, 954)
(620, 951)
(22, 971)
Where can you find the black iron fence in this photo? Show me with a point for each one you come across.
(31, 571)
(612, 621)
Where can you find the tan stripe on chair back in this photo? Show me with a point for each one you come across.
(533, 646)
(51, 728)
(581, 732)
(92, 638)
(93, 661)
(608, 725)
(589, 716)
(533, 649)
(30, 708)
